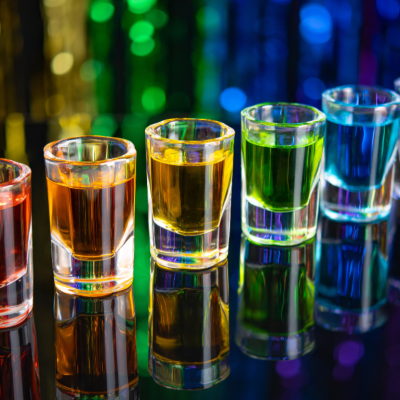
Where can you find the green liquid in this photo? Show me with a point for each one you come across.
(277, 299)
(280, 178)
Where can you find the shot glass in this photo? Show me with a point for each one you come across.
(91, 190)
(95, 341)
(276, 300)
(16, 262)
(189, 326)
(189, 175)
(393, 294)
(19, 365)
(396, 189)
(282, 148)
(352, 274)
(360, 150)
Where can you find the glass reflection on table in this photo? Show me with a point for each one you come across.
(352, 272)
(276, 300)
(189, 326)
(96, 347)
(19, 366)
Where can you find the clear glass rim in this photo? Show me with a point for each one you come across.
(320, 116)
(24, 169)
(151, 131)
(131, 151)
(327, 96)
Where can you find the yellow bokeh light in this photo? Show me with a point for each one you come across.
(62, 63)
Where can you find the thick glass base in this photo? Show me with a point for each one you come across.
(188, 376)
(16, 299)
(131, 393)
(172, 250)
(359, 206)
(274, 347)
(394, 291)
(99, 277)
(280, 228)
(351, 322)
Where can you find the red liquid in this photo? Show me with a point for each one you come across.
(15, 225)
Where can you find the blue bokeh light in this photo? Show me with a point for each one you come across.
(313, 88)
(316, 23)
(232, 99)
(388, 9)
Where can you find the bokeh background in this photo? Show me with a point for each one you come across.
(112, 67)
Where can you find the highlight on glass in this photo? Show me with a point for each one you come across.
(189, 176)
(276, 300)
(19, 364)
(95, 342)
(360, 150)
(352, 275)
(393, 291)
(16, 261)
(396, 189)
(282, 147)
(91, 190)
(189, 326)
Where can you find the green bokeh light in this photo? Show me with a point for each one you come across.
(153, 99)
(143, 48)
(157, 17)
(140, 6)
(142, 349)
(90, 70)
(104, 125)
(208, 18)
(101, 10)
(141, 31)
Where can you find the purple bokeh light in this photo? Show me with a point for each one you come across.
(349, 353)
(288, 369)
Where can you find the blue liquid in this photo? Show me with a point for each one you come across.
(359, 157)
(352, 265)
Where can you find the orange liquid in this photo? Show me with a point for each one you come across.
(91, 222)
(189, 198)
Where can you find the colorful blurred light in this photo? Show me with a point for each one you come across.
(313, 88)
(233, 99)
(141, 31)
(157, 17)
(104, 125)
(208, 18)
(288, 369)
(62, 63)
(143, 48)
(140, 6)
(101, 10)
(316, 23)
(90, 70)
(349, 353)
(153, 99)
(388, 9)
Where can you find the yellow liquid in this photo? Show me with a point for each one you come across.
(189, 198)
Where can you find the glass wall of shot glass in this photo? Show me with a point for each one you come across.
(189, 175)
(282, 146)
(19, 365)
(396, 189)
(16, 261)
(95, 340)
(360, 150)
(189, 326)
(276, 300)
(352, 275)
(91, 190)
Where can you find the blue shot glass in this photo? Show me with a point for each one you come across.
(276, 300)
(351, 276)
(360, 150)
(396, 189)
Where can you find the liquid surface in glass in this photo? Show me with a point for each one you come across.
(281, 177)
